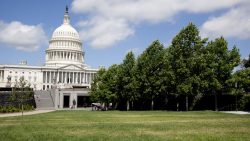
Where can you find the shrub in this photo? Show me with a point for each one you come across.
(245, 103)
(11, 109)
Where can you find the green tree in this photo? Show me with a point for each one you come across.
(236, 86)
(95, 85)
(150, 72)
(104, 88)
(220, 64)
(127, 89)
(22, 92)
(187, 61)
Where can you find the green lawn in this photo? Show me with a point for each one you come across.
(126, 126)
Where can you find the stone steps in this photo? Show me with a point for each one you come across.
(44, 100)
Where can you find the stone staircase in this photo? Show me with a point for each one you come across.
(44, 100)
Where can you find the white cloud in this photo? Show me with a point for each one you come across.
(234, 23)
(104, 33)
(130, 13)
(21, 36)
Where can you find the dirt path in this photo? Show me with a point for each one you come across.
(25, 113)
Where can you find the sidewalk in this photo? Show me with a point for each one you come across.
(237, 112)
(25, 113)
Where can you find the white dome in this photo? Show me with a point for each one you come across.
(65, 31)
(65, 46)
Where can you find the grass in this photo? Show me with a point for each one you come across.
(126, 126)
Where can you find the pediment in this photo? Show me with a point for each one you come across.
(71, 67)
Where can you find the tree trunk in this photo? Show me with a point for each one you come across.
(186, 103)
(22, 109)
(236, 103)
(215, 102)
(152, 103)
(132, 105)
(127, 105)
(177, 106)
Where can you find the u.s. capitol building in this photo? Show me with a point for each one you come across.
(65, 80)
(64, 64)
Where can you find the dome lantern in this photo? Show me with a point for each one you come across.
(66, 19)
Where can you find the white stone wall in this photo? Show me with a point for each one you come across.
(41, 78)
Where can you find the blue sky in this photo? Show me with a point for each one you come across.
(111, 28)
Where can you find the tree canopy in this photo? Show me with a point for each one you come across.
(189, 68)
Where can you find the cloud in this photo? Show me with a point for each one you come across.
(20, 36)
(104, 32)
(128, 14)
(234, 23)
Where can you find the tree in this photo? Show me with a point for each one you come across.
(149, 72)
(187, 62)
(240, 81)
(22, 92)
(220, 64)
(104, 89)
(95, 85)
(246, 62)
(127, 89)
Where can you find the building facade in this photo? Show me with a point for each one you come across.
(64, 63)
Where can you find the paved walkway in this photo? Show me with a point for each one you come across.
(237, 112)
(25, 113)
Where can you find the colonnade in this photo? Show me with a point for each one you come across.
(63, 43)
(64, 55)
(67, 77)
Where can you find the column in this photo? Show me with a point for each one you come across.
(62, 78)
(73, 77)
(77, 76)
(49, 76)
(85, 78)
(80, 77)
(69, 77)
(90, 78)
(46, 77)
(65, 77)
(57, 79)
(54, 77)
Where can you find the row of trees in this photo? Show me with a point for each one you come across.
(190, 67)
